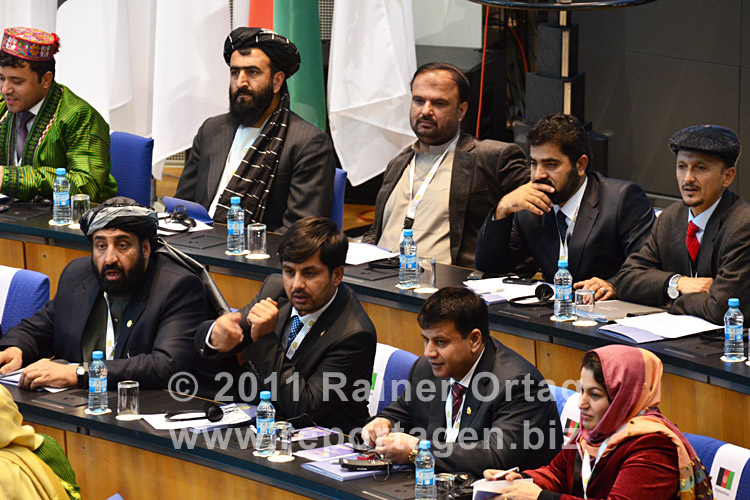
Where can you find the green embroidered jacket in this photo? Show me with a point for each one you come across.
(68, 133)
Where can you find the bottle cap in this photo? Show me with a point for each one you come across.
(562, 263)
(97, 355)
(60, 171)
(408, 232)
(734, 302)
(265, 395)
(234, 200)
(424, 444)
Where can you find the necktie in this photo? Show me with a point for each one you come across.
(693, 245)
(22, 132)
(296, 327)
(562, 225)
(458, 396)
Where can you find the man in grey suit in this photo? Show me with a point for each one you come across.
(305, 337)
(698, 253)
(281, 166)
(566, 212)
(436, 179)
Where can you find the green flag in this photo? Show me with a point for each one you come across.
(298, 20)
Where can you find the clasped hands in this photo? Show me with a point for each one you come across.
(394, 446)
(43, 373)
(262, 318)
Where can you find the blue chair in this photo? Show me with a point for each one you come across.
(724, 462)
(567, 407)
(193, 209)
(131, 165)
(339, 188)
(389, 376)
(22, 293)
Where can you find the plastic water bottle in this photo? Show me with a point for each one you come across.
(734, 347)
(235, 227)
(97, 385)
(61, 198)
(563, 293)
(408, 275)
(264, 420)
(424, 488)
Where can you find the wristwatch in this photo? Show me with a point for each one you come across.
(672, 290)
(82, 374)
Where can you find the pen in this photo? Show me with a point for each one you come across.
(503, 473)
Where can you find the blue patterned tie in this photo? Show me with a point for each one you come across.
(562, 225)
(296, 327)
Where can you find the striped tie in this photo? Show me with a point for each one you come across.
(457, 390)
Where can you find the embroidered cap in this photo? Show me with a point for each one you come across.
(30, 43)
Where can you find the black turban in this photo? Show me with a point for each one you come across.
(120, 213)
(279, 49)
(710, 139)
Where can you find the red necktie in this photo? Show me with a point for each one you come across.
(458, 395)
(693, 245)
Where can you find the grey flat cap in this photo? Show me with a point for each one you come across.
(710, 139)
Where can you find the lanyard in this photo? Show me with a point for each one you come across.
(586, 469)
(415, 200)
(452, 430)
(292, 348)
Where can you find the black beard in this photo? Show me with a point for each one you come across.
(250, 112)
(564, 192)
(128, 282)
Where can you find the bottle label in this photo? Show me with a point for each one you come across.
(733, 332)
(408, 261)
(426, 476)
(265, 425)
(61, 199)
(97, 385)
(563, 292)
(236, 228)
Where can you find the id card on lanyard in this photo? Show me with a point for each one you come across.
(415, 200)
(292, 348)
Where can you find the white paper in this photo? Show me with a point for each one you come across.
(360, 253)
(670, 326)
(484, 489)
(497, 286)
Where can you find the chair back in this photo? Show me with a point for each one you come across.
(727, 464)
(131, 165)
(22, 293)
(567, 407)
(339, 189)
(390, 374)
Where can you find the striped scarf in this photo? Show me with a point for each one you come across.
(253, 178)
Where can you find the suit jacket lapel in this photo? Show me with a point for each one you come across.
(551, 240)
(678, 247)
(87, 292)
(705, 256)
(471, 403)
(325, 321)
(220, 146)
(135, 308)
(285, 311)
(587, 214)
(464, 159)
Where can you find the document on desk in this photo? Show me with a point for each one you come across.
(169, 228)
(484, 490)
(493, 287)
(327, 452)
(361, 253)
(332, 469)
(659, 326)
(13, 377)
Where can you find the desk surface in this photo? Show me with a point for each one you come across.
(675, 354)
(289, 476)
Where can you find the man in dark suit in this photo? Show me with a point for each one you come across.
(479, 402)
(133, 303)
(305, 337)
(698, 253)
(445, 175)
(280, 165)
(565, 212)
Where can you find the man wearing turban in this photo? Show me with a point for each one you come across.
(129, 300)
(281, 166)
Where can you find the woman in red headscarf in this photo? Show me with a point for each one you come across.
(625, 448)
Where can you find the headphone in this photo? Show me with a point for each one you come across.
(543, 293)
(211, 412)
(179, 215)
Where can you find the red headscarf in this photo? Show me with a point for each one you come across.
(632, 378)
